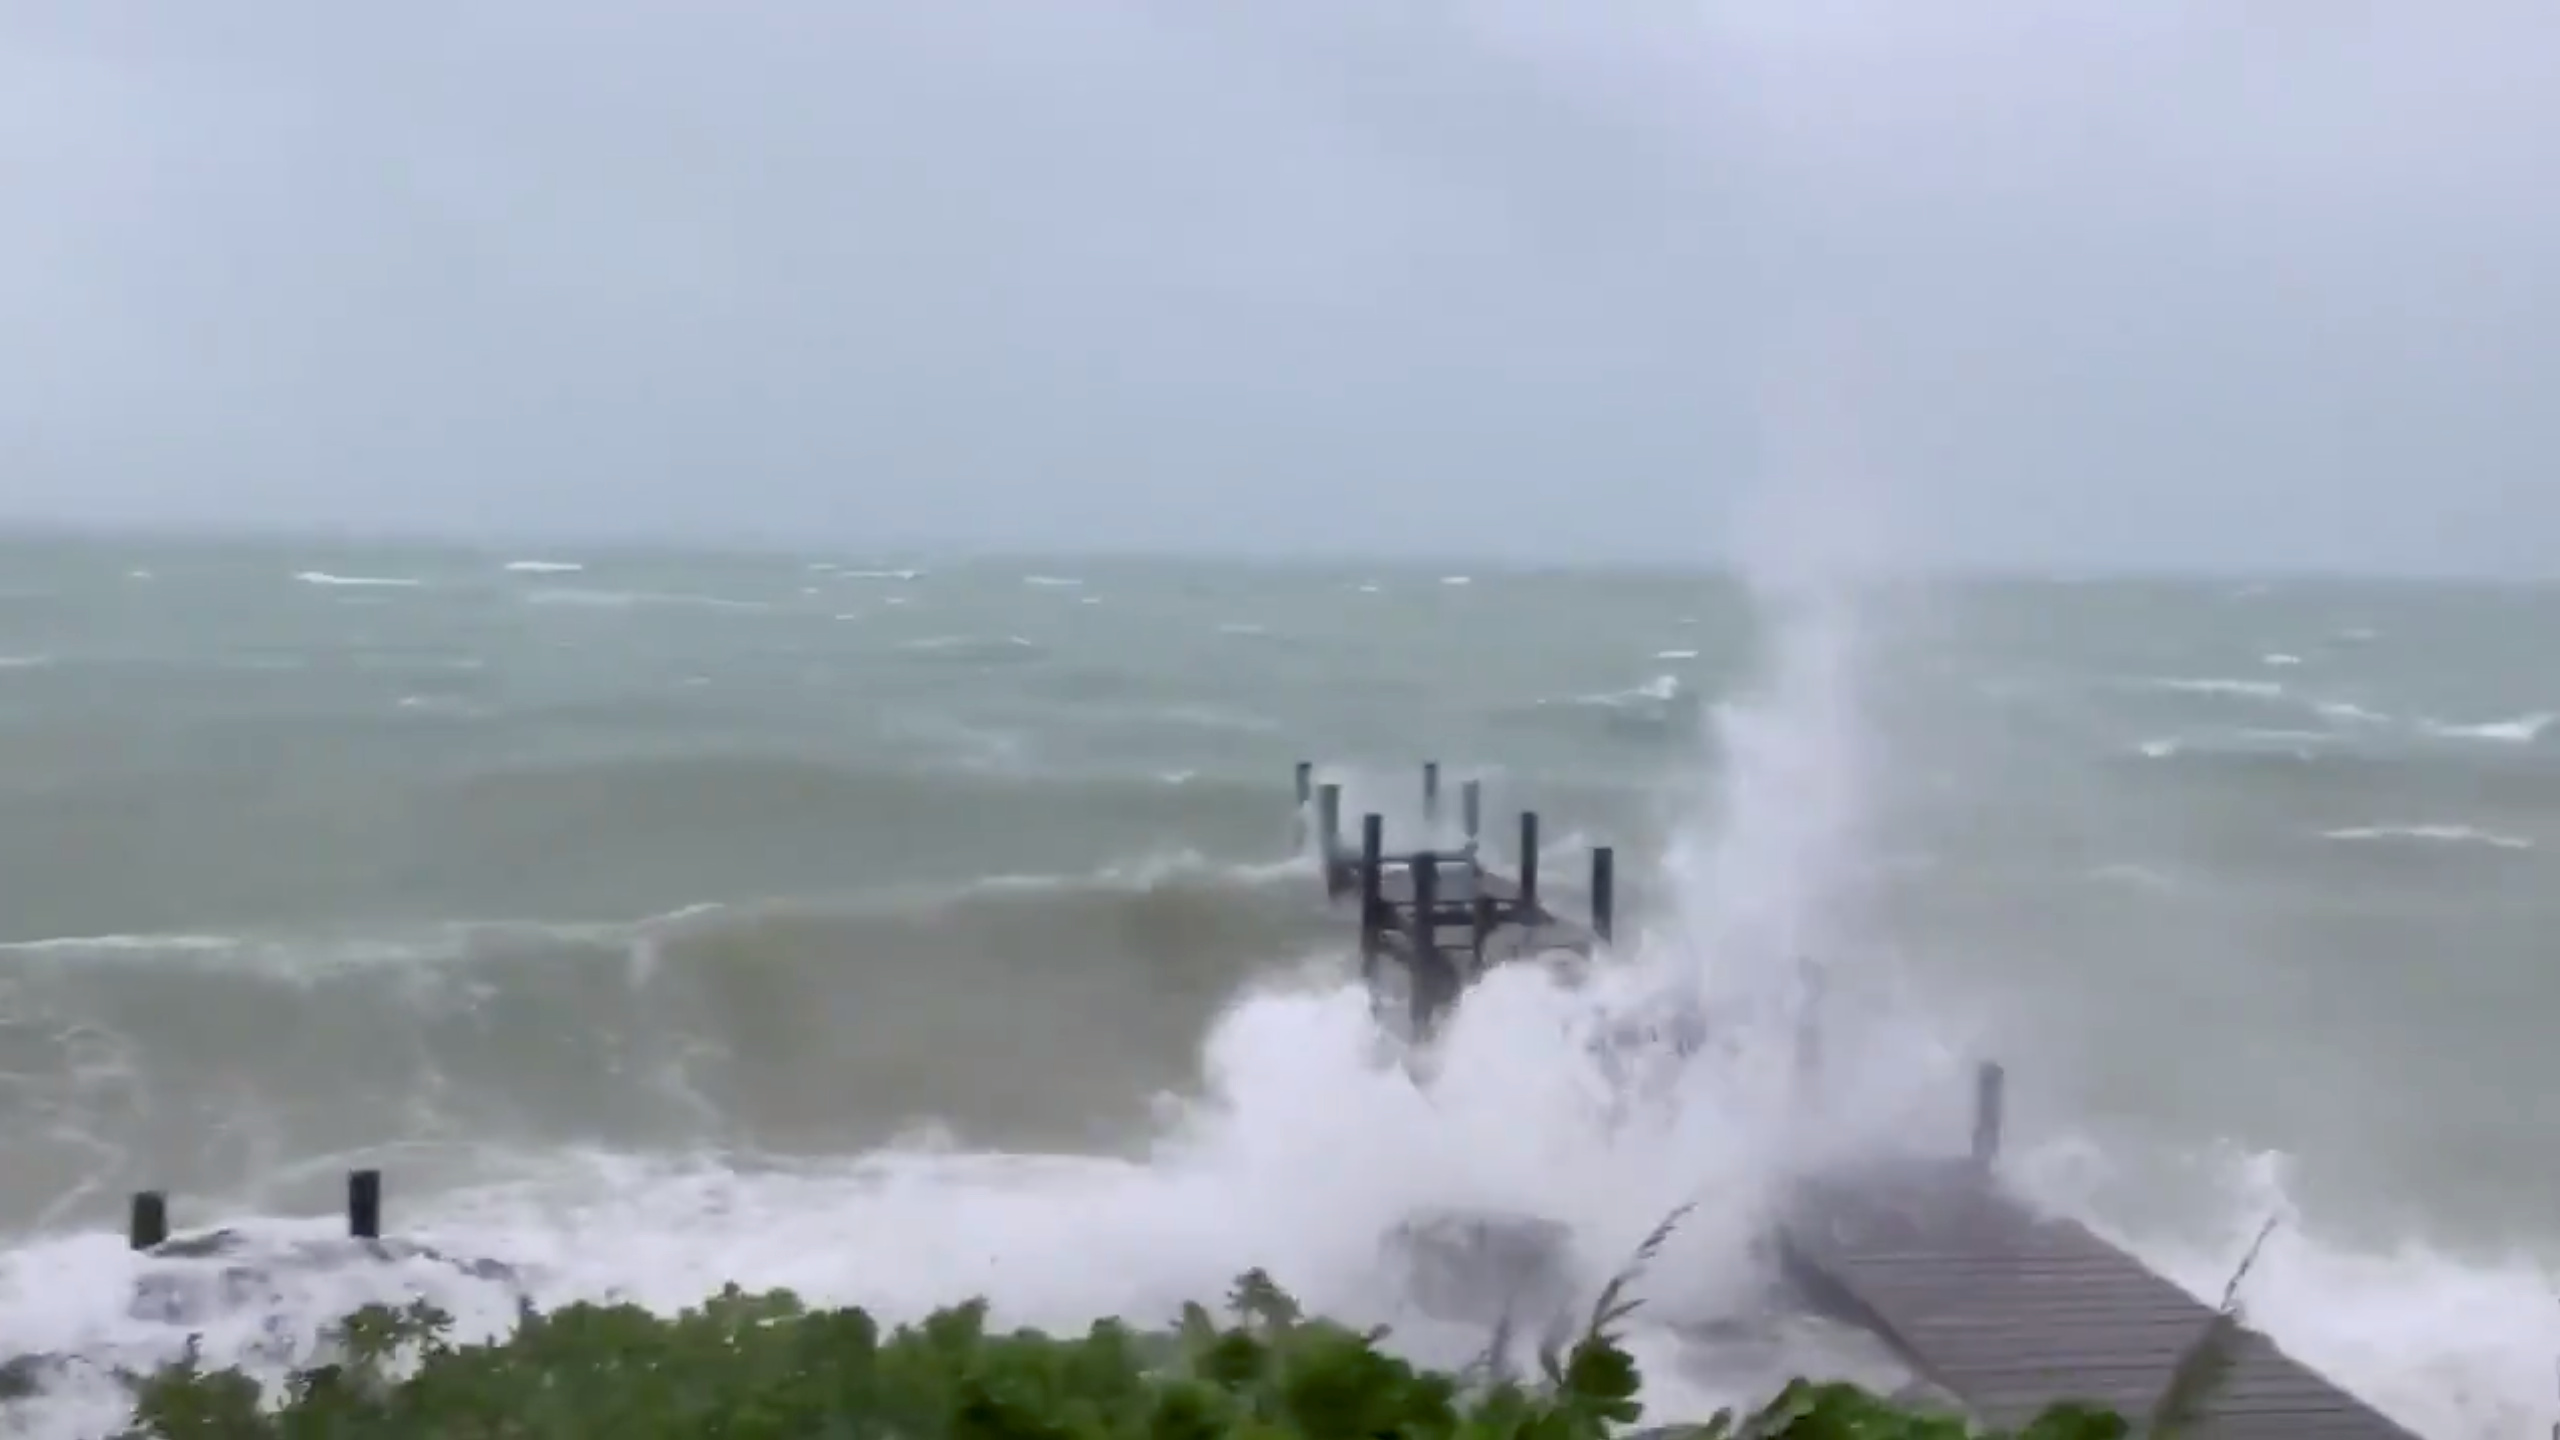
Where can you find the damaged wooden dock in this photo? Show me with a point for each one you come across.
(2007, 1310)
(1439, 912)
(2011, 1311)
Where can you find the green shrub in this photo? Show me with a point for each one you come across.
(766, 1367)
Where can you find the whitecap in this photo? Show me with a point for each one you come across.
(377, 582)
(2438, 834)
(2249, 689)
(544, 567)
(2521, 730)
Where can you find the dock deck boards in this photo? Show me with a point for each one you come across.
(2011, 1311)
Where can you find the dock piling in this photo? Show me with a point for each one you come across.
(1471, 811)
(1430, 792)
(1990, 1100)
(149, 1223)
(1329, 834)
(1435, 983)
(364, 1204)
(1528, 863)
(1604, 900)
(1483, 924)
(1373, 845)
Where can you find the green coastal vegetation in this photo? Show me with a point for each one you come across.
(766, 1366)
(746, 1366)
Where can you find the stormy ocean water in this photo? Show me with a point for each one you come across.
(901, 928)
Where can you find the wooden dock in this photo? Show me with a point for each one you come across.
(2007, 1310)
(2011, 1311)
(1438, 912)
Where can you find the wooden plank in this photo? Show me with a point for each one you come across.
(2011, 1311)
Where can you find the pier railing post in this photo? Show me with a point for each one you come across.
(1529, 912)
(1471, 812)
(364, 1204)
(1430, 793)
(1990, 1101)
(148, 1225)
(1373, 845)
(1329, 836)
(1604, 899)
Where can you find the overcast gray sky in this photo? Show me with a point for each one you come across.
(2181, 282)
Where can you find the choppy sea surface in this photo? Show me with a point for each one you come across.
(906, 927)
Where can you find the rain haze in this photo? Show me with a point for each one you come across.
(2182, 284)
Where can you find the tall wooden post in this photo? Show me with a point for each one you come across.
(1434, 983)
(149, 1222)
(364, 1204)
(1529, 912)
(1329, 835)
(1471, 811)
(1990, 1101)
(1373, 845)
(1430, 793)
(1604, 899)
(1306, 792)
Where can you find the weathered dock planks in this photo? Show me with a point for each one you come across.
(2012, 1311)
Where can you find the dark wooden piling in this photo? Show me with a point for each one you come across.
(148, 1223)
(1471, 811)
(364, 1204)
(1430, 792)
(1528, 859)
(1604, 898)
(1329, 833)
(1306, 793)
(1373, 910)
(1482, 917)
(1990, 1102)
(1434, 981)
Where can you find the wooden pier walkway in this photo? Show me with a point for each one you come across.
(2011, 1311)
(2005, 1309)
